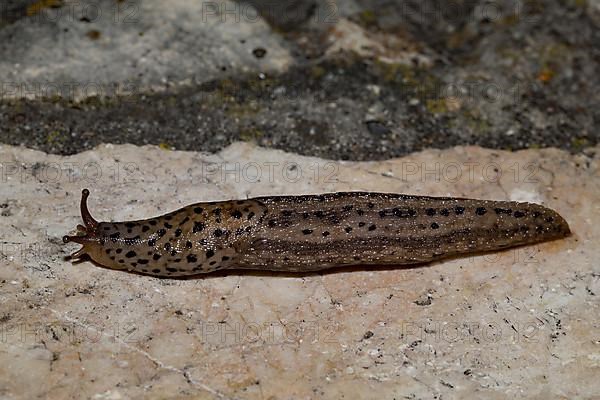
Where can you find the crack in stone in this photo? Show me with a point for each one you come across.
(156, 361)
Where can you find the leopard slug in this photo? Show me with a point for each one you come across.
(312, 232)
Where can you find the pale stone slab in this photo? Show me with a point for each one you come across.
(520, 323)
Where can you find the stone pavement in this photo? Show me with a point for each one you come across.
(519, 323)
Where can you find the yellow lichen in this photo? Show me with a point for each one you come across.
(38, 6)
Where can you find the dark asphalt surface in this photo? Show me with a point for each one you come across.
(525, 79)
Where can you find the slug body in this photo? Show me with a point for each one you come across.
(313, 232)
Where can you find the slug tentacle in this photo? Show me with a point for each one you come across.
(89, 230)
(313, 232)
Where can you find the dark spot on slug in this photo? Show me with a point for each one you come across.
(503, 211)
(145, 228)
(348, 229)
(480, 211)
(191, 258)
(360, 212)
(287, 213)
(325, 234)
(171, 269)
(458, 210)
(108, 251)
(130, 254)
(156, 271)
(536, 214)
(198, 210)
(142, 261)
(237, 214)
(186, 219)
(444, 212)
(250, 215)
(161, 232)
(188, 245)
(168, 217)
(151, 242)
(361, 224)
(224, 258)
(434, 225)
(217, 211)
(272, 223)
(209, 253)
(348, 208)
(218, 232)
(153, 222)
(156, 256)
(372, 227)
(167, 246)
(198, 227)
(307, 231)
(519, 214)
(115, 235)
(119, 251)
(178, 232)
(370, 205)
(129, 224)
(319, 214)
(430, 211)
(382, 213)
(168, 226)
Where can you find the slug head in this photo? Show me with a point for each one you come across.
(87, 234)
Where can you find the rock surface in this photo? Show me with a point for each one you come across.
(523, 322)
(353, 80)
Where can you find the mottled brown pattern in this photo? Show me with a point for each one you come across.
(313, 232)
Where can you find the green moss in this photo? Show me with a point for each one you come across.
(55, 137)
(317, 72)
(437, 106)
(251, 134)
(579, 143)
(475, 122)
(367, 18)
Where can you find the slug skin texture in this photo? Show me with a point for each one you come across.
(312, 232)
